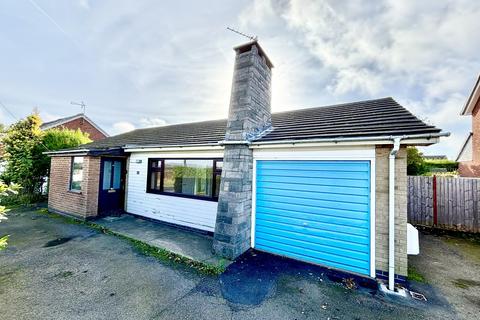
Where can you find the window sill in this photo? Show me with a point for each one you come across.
(183, 196)
(75, 191)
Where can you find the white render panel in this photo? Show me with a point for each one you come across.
(194, 213)
(465, 154)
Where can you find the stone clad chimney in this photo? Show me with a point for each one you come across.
(249, 116)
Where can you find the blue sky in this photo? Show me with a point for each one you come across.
(142, 63)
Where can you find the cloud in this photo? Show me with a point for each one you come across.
(172, 62)
(85, 4)
(420, 52)
(122, 127)
(152, 122)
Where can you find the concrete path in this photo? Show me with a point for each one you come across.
(55, 270)
(452, 264)
(186, 243)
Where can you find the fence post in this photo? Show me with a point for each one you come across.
(435, 207)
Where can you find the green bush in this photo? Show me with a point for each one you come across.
(5, 192)
(26, 165)
(441, 165)
(415, 162)
(22, 199)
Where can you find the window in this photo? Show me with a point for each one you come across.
(112, 174)
(76, 174)
(192, 178)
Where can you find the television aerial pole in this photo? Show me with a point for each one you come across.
(81, 104)
(253, 38)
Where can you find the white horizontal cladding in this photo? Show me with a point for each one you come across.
(366, 152)
(194, 213)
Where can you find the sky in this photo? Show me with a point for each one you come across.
(147, 63)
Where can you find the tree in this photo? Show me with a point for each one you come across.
(24, 145)
(57, 139)
(21, 141)
(415, 162)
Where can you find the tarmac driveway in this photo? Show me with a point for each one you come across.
(451, 264)
(55, 270)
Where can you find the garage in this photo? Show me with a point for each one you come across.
(315, 211)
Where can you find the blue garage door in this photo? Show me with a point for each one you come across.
(315, 211)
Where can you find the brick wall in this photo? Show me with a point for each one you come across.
(472, 168)
(82, 204)
(469, 169)
(84, 126)
(381, 212)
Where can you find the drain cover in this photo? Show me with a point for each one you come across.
(418, 296)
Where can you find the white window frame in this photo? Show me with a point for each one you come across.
(72, 162)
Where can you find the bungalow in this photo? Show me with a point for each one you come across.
(324, 185)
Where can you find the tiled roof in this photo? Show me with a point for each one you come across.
(381, 117)
(58, 122)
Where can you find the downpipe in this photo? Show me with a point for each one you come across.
(391, 214)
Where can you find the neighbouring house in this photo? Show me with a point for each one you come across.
(469, 155)
(79, 121)
(435, 157)
(325, 185)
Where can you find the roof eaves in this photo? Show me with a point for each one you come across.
(472, 99)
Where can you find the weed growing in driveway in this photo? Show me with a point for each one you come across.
(349, 283)
(145, 248)
(465, 283)
(167, 256)
(414, 275)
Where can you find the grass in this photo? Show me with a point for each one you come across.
(414, 275)
(160, 254)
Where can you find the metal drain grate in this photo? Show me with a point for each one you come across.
(418, 296)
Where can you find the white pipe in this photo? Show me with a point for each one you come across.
(391, 214)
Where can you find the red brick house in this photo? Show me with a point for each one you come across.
(469, 154)
(78, 121)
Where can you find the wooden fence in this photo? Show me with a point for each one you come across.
(444, 202)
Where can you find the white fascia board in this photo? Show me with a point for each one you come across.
(472, 100)
(413, 142)
(71, 154)
(175, 148)
(62, 152)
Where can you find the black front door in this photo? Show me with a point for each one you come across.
(112, 186)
